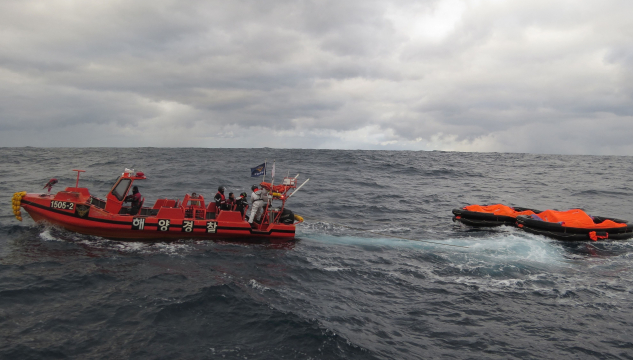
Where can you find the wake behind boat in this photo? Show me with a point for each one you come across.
(75, 209)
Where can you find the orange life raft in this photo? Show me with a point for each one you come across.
(490, 215)
(575, 224)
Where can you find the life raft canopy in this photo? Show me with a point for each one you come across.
(575, 224)
(577, 218)
(499, 210)
(490, 215)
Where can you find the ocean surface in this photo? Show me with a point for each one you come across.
(377, 271)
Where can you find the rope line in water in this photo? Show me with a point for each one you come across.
(388, 235)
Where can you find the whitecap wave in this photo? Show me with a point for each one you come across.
(47, 236)
(256, 285)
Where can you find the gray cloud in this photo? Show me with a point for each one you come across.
(467, 75)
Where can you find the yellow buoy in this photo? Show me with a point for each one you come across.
(16, 201)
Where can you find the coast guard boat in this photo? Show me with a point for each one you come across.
(75, 209)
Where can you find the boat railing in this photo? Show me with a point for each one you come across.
(101, 204)
(170, 203)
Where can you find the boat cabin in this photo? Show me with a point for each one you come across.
(192, 206)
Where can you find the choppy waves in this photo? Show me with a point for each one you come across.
(378, 269)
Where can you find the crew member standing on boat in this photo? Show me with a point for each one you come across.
(195, 196)
(134, 200)
(241, 203)
(257, 198)
(220, 200)
(230, 202)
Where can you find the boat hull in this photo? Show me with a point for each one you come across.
(94, 221)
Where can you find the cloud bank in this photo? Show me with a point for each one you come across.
(464, 75)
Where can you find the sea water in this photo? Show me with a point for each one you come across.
(378, 269)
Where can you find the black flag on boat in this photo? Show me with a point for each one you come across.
(258, 170)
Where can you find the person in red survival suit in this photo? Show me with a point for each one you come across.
(220, 200)
(134, 200)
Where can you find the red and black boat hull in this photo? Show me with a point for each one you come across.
(96, 222)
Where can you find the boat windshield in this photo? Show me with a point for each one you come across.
(121, 188)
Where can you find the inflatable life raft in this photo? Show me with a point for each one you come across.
(490, 215)
(575, 224)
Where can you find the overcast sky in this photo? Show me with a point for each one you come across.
(468, 75)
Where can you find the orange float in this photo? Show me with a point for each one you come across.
(575, 224)
(490, 215)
